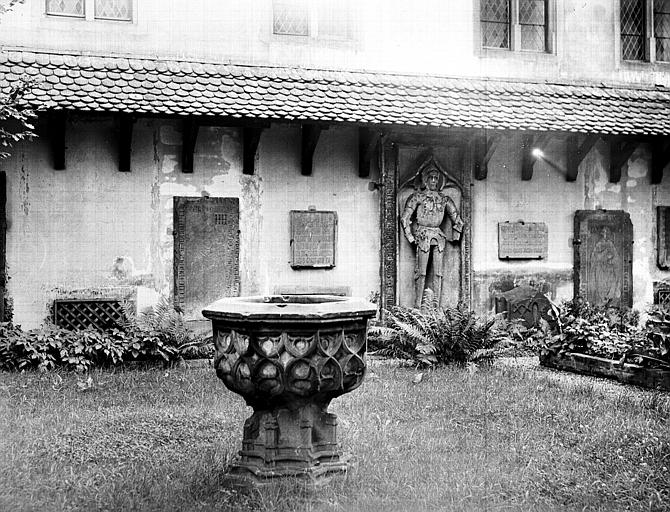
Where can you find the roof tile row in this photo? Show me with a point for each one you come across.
(189, 88)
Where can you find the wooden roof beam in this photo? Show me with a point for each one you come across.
(251, 137)
(310, 139)
(56, 128)
(576, 153)
(483, 148)
(190, 129)
(620, 151)
(527, 158)
(660, 158)
(125, 141)
(368, 140)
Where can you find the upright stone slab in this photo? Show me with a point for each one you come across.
(603, 257)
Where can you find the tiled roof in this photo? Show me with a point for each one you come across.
(114, 84)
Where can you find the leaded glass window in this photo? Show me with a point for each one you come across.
(632, 29)
(533, 24)
(495, 20)
(114, 9)
(662, 29)
(66, 8)
(290, 17)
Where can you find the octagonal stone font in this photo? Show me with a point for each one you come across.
(288, 357)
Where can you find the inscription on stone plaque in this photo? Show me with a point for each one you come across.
(522, 240)
(313, 238)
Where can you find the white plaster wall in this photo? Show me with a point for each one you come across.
(423, 36)
(68, 229)
(334, 185)
(549, 198)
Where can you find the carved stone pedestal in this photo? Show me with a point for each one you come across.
(289, 356)
(299, 443)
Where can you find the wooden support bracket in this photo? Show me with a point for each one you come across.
(57, 124)
(251, 137)
(310, 138)
(620, 152)
(189, 137)
(483, 148)
(660, 158)
(368, 141)
(576, 153)
(527, 158)
(125, 141)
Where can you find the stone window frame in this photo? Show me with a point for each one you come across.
(515, 31)
(89, 14)
(649, 36)
(313, 21)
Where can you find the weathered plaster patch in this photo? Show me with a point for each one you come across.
(24, 187)
(169, 164)
(170, 136)
(250, 216)
(613, 187)
(638, 168)
(216, 187)
(178, 189)
(631, 183)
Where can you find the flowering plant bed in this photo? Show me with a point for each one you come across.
(628, 373)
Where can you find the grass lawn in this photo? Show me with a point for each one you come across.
(495, 439)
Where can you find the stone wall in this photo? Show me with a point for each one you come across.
(92, 231)
(550, 199)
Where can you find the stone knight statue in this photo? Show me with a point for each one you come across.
(421, 221)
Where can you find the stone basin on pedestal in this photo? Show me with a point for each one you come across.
(289, 356)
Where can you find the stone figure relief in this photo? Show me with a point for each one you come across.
(430, 219)
(604, 260)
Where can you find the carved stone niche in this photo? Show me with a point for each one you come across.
(455, 285)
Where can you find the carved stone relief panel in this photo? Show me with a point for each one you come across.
(603, 257)
(433, 253)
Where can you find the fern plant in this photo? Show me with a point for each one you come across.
(165, 327)
(433, 335)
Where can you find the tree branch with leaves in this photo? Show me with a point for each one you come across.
(16, 116)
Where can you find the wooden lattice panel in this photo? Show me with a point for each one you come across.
(76, 314)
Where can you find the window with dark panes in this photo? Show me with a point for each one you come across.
(533, 24)
(662, 29)
(495, 20)
(66, 8)
(121, 10)
(290, 17)
(633, 29)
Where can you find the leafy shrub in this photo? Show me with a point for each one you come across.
(607, 332)
(521, 340)
(158, 334)
(433, 335)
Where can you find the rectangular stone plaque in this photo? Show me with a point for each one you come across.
(313, 238)
(522, 240)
